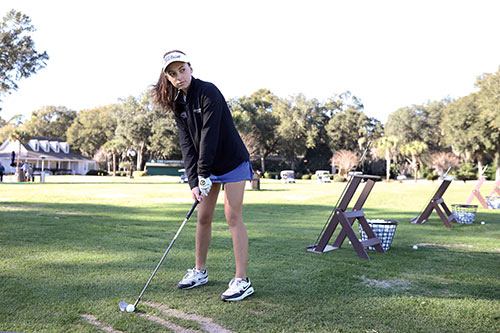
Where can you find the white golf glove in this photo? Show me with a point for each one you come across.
(204, 184)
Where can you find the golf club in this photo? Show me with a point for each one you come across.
(131, 307)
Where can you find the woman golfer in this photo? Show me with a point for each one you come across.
(214, 154)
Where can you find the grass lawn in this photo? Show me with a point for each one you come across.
(74, 247)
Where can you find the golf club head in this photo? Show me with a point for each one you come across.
(414, 220)
(126, 307)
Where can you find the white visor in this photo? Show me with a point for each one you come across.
(173, 57)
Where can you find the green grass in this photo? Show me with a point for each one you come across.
(79, 245)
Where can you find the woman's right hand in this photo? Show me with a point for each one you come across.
(196, 194)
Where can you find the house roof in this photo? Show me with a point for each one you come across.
(51, 154)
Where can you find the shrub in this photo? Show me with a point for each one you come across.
(467, 171)
(490, 172)
(270, 175)
(432, 176)
(139, 173)
(97, 173)
(306, 176)
(345, 160)
(339, 179)
(442, 161)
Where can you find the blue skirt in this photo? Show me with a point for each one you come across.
(243, 171)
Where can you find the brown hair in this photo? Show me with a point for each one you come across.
(163, 91)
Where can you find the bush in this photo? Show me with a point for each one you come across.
(97, 173)
(432, 176)
(339, 179)
(467, 171)
(306, 176)
(139, 173)
(490, 172)
(270, 175)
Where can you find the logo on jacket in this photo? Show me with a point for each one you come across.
(184, 115)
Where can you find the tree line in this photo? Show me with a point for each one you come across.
(296, 132)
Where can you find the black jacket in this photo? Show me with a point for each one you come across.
(209, 140)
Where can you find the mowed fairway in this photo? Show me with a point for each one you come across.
(73, 248)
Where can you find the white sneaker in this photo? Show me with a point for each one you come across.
(193, 278)
(238, 289)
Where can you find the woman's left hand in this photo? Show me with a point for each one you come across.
(197, 194)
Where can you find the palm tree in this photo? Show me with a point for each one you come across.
(389, 144)
(413, 150)
(113, 147)
(21, 137)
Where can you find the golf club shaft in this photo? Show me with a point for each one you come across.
(168, 249)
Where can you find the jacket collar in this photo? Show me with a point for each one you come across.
(180, 98)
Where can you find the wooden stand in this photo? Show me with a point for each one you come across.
(435, 203)
(477, 194)
(346, 220)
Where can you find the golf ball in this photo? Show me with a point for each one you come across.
(130, 308)
(482, 222)
(415, 247)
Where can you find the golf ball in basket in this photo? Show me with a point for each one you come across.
(415, 247)
(130, 308)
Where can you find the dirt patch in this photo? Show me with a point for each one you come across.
(93, 320)
(207, 323)
(165, 323)
(69, 213)
(385, 283)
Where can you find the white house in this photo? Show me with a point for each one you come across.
(57, 156)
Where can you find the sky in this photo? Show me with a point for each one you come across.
(390, 54)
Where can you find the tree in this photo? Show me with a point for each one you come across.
(113, 147)
(18, 57)
(6, 127)
(296, 127)
(349, 127)
(257, 123)
(389, 145)
(134, 123)
(443, 161)
(489, 107)
(21, 137)
(466, 131)
(50, 122)
(92, 129)
(413, 150)
(346, 160)
(164, 139)
(418, 123)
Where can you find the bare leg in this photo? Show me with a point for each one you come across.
(233, 201)
(206, 210)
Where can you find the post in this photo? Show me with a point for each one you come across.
(42, 173)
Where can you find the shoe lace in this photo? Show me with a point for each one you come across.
(235, 284)
(192, 272)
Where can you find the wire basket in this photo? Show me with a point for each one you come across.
(493, 202)
(464, 213)
(383, 229)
